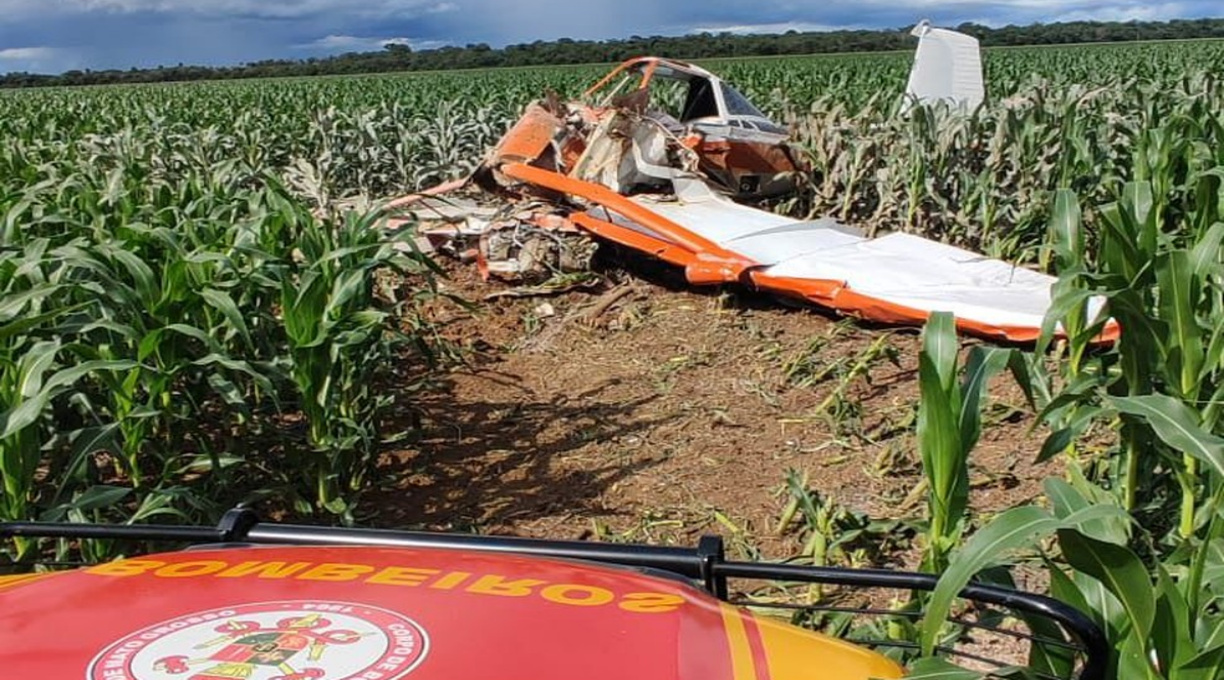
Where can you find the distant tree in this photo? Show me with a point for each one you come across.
(401, 57)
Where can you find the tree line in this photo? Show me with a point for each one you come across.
(397, 57)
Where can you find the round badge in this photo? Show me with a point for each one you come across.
(290, 640)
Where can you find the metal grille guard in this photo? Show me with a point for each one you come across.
(705, 564)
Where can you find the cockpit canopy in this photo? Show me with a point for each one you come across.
(685, 93)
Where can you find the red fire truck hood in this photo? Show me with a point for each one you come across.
(311, 613)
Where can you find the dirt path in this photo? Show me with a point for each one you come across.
(675, 413)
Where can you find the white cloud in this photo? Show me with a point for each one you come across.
(28, 54)
(1137, 13)
(885, 13)
(780, 27)
(507, 21)
(1059, 6)
(353, 43)
(39, 59)
(279, 9)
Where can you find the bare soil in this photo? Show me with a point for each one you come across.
(655, 412)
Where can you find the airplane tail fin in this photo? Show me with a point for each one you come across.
(947, 67)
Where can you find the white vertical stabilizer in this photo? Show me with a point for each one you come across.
(947, 67)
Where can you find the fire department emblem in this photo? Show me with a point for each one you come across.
(295, 640)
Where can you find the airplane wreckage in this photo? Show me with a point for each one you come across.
(677, 183)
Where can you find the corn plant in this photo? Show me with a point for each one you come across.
(949, 424)
(833, 533)
(1139, 548)
(29, 383)
(1162, 618)
(172, 232)
(1160, 286)
(339, 335)
(146, 247)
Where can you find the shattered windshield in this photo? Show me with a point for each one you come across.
(738, 104)
(668, 95)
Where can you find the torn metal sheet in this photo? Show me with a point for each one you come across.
(534, 250)
(666, 158)
(524, 242)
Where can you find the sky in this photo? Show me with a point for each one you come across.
(52, 36)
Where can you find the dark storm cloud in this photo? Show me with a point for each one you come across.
(54, 35)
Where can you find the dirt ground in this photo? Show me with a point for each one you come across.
(649, 411)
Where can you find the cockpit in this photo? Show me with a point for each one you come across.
(681, 95)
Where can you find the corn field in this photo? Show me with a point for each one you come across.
(179, 286)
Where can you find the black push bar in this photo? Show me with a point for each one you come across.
(706, 564)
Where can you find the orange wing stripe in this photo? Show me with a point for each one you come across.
(706, 262)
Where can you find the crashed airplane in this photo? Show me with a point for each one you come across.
(665, 158)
